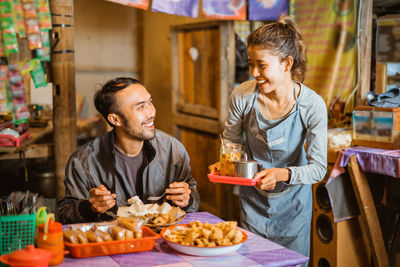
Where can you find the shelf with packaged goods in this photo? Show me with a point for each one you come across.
(33, 149)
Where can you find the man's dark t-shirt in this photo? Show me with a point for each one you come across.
(133, 168)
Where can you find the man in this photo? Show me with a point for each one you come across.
(134, 159)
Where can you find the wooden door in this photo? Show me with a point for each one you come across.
(203, 62)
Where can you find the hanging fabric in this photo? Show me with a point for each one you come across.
(142, 4)
(225, 9)
(188, 8)
(267, 9)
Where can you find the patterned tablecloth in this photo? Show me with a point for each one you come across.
(256, 251)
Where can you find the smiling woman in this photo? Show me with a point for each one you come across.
(278, 115)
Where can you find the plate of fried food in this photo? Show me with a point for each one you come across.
(204, 239)
(154, 216)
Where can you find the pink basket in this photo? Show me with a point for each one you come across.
(9, 140)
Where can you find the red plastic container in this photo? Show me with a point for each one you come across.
(28, 257)
(216, 178)
(9, 140)
(114, 247)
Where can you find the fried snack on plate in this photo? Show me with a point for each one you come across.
(161, 219)
(152, 214)
(206, 235)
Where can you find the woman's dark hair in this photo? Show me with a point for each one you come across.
(283, 38)
(104, 98)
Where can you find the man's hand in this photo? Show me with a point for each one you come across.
(101, 199)
(179, 193)
(269, 178)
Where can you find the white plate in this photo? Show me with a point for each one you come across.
(201, 251)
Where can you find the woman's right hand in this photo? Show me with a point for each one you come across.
(214, 167)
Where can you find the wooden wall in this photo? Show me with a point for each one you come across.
(115, 40)
(156, 66)
(105, 45)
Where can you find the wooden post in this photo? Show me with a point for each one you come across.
(365, 32)
(368, 213)
(336, 64)
(380, 77)
(63, 78)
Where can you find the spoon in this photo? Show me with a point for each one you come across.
(159, 197)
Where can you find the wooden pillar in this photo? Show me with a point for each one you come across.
(365, 32)
(63, 78)
(380, 77)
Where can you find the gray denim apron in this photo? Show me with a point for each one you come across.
(282, 215)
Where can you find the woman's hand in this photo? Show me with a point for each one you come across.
(101, 199)
(214, 167)
(179, 193)
(269, 178)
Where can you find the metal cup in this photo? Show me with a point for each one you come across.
(247, 169)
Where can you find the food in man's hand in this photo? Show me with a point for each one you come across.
(206, 235)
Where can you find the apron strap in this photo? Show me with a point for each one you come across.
(297, 106)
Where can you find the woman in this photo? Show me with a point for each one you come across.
(285, 125)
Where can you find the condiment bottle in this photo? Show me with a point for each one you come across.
(51, 238)
(41, 217)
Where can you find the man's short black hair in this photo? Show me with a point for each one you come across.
(104, 98)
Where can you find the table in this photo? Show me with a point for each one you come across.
(256, 251)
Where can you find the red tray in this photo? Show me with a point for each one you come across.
(114, 247)
(215, 178)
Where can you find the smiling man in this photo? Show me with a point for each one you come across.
(134, 159)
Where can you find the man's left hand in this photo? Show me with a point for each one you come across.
(179, 193)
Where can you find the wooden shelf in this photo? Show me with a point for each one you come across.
(33, 150)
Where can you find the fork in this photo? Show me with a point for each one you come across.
(159, 197)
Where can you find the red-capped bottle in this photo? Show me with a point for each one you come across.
(51, 239)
